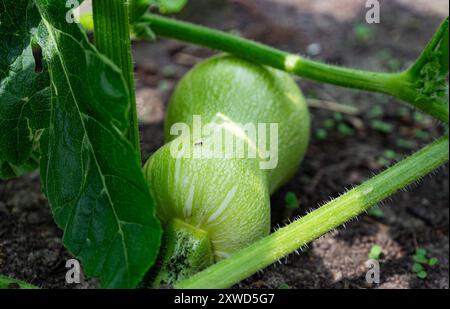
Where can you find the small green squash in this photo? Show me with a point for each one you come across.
(225, 200)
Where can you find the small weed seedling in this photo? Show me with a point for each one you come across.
(375, 252)
(8, 283)
(388, 157)
(76, 120)
(382, 126)
(291, 201)
(337, 123)
(376, 112)
(283, 286)
(422, 263)
(376, 212)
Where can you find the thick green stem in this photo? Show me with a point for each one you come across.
(406, 91)
(388, 83)
(319, 222)
(112, 38)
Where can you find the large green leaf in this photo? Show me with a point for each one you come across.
(95, 186)
(24, 94)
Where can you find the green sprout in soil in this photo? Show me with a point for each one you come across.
(422, 135)
(338, 117)
(422, 263)
(404, 143)
(329, 124)
(284, 286)
(336, 123)
(376, 112)
(291, 200)
(391, 154)
(417, 267)
(321, 134)
(419, 118)
(422, 275)
(382, 126)
(362, 32)
(13, 284)
(388, 157)
(376, 212)
(433, 261)
(345, 129)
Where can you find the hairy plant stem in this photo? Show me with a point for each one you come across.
(396, 84)
(317, 223)
(112, 38)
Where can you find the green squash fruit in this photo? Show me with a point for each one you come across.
(228, 198)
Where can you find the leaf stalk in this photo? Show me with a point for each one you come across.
(321, 221)
(112, 38)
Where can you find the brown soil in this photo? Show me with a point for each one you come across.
(30, 243)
